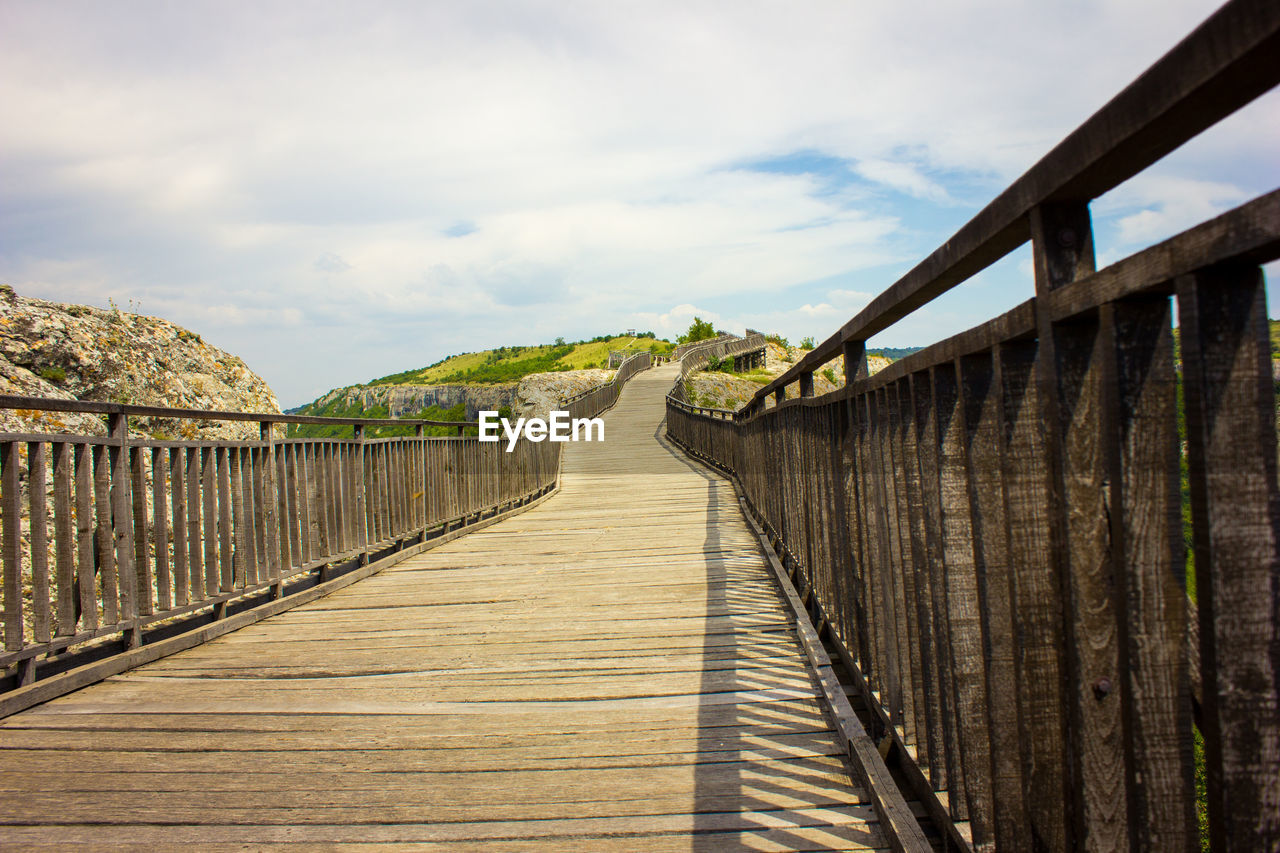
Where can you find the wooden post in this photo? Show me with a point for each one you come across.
(1077, 423)
(122, 517)
(855, 361)
(806, 384)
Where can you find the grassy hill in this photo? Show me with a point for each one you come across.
(501, 366)
(511, 364)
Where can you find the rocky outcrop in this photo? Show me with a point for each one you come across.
(48, 349)
(540, 393)
(726, 391)
(407, 400)
(535, 395)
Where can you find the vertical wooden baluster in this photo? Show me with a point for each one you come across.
(105, 538)
(274, 532)
(321, 490)
(209, 496)
(87, 594)
(1035, 590)
(306, 500)
(981, 428)
(1146, 533)
(178, 485)
(963, 619)
(195, 549)
(64, 533)
(241, 518)
(904, 568)
(296, 509)
(928, 726)
(258, 568)
(951, 775)
(160, 528)
(142, 556)
(121, 510)
(1231, 447)
(1079, 431)
(226, 565)
(37, 472)
(11, 489)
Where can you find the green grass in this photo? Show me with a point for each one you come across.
(340, 408)
(513, 363)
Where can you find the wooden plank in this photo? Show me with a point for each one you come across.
(226, 529)
(964, 629)
(1146, 535)
(1231, 448)
(178, 480)
(105, 537)
(258, 568)
(160, 528)
(37, 475)
(208, 464)
(294, 507)
(1035, 595)
(10, 488)
(929, 748)
(141, 554)
(241, 520)
(65, 538)
(981, 404)
(87, 598)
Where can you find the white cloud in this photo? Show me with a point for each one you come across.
(423, 178)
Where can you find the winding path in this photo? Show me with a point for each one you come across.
(612, 670)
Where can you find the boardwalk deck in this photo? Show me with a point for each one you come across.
(613, 670)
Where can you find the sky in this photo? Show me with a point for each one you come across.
(336, 191)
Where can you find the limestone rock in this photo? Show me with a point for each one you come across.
(49, 349)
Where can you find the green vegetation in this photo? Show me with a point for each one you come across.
(699, 330)
(342, 408)
(513, 363)
(894, 353)
(56, 375)
(807, 343)
(775, 338)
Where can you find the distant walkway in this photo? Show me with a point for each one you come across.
(612, 670)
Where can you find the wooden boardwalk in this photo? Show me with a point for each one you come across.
(612, 670)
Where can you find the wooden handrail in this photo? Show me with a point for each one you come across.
(991, 529)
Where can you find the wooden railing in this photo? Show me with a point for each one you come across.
(590, 403)
(696, 356)
(991, 531)
(109, 541)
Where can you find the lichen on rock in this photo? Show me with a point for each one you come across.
(49, 349)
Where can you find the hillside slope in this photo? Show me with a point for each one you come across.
(49, 349)
(526, 380)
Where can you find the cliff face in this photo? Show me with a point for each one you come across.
(48, 349)
(535, 395)
(408, 400)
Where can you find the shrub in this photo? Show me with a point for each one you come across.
(56, 375)
(807, 343)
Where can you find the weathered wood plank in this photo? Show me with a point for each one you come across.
(1231, 448)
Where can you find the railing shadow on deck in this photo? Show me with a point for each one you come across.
(131, 548)
(993, 526)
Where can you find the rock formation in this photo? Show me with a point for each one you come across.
(48, 349)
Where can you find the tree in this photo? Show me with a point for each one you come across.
(559, 342)
(699, 330)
